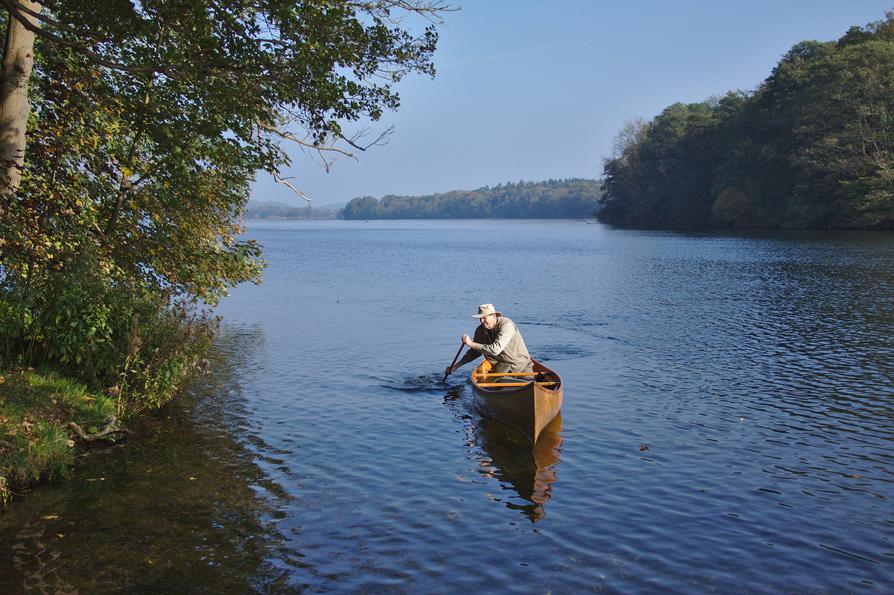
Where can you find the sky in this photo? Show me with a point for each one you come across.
(535, 90)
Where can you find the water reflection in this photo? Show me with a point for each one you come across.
(758, 370)
(184, 507)
(504, 454)
(511, 460)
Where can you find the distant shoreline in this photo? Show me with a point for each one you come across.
(583, 219)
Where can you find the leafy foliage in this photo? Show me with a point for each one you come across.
(553, 199)
(813, 147)
(149, 122)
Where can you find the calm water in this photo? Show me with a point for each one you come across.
(728, 424)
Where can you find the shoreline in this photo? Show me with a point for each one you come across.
(37, 446)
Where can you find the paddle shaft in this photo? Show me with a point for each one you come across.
(455, 357)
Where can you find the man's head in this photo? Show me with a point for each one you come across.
(487, 314)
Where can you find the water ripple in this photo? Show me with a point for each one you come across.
(728, 422)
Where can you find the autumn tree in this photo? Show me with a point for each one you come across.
(150, 119)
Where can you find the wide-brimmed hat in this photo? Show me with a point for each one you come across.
(486, 310)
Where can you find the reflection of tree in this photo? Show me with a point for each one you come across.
(184, 507)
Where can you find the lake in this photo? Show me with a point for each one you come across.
(728, 423)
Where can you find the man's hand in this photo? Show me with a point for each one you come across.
(467, 341)
(448, 371)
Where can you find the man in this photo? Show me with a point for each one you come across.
(498, 339)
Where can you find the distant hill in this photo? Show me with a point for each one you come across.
(278, 210)
(553, 199)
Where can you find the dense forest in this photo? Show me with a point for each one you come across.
(811, 148)
(553, 199)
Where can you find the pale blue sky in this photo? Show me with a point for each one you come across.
(531, 90)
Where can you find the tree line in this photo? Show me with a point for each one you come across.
(278, 210)
(552, 199)
(811, 148)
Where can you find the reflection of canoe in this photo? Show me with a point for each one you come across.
(525, 404)
(511, 463)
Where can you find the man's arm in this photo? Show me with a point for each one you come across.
(472, 354)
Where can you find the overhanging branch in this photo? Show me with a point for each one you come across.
(18, 12)
(285, 182)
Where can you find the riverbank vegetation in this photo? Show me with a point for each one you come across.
(41, 415)
(129, 140)
(811, 148)
(552, 199)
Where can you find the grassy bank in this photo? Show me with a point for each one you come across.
(35, 408)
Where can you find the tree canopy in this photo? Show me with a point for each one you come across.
(149, 121)
(811, 148)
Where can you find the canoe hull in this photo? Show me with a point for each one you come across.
(528, 408)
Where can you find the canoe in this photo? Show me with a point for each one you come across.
(527, 405)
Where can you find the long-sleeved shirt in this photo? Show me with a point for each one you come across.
(501, 344)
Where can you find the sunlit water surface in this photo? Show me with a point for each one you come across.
(728, 424)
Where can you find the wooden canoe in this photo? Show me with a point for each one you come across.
(527, 405)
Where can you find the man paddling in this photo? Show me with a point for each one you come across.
(498, 339)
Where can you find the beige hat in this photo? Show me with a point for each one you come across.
(486, 310)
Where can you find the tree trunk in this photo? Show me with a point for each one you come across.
(18, 58)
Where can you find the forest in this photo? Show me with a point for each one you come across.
(552, 199)
(811, 148)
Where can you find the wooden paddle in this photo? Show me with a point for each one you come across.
(456, 357)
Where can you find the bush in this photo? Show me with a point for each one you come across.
(134, 341)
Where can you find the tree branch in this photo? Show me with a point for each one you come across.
(286, 135)
(16, 11)
(285, 182)
(426, 8)
(110, 432)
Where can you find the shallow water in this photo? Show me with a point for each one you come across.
(728, 423)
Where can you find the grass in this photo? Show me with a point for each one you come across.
(35, 406)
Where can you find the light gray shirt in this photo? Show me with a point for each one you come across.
(502, 344)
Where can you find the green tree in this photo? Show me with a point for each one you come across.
(812, 147)
(149, 122)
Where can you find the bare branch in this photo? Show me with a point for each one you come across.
(286, 135)
(285, 182)
(110, 432)
(380, 141)
(430, 9)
